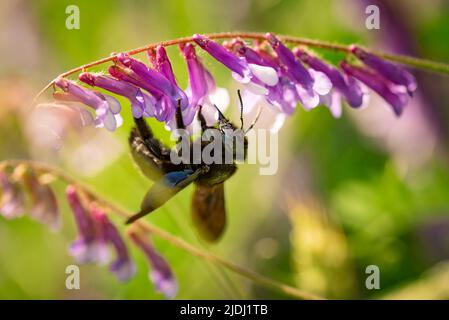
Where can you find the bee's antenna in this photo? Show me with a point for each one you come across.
(220, 115)
(255, 120)
(241, 109)
(201, 118)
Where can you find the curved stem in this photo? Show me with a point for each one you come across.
(407, 60)
(418, 63)
(177, 242)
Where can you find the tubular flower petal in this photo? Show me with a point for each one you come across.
(387, 69)
(106, 107)
(254, 76)
(91, 245)
(251, 55)
(161, 274)
(12, 200)
(150, 76)
(343, 85)
(232, 62)
(123, 267)
(44, 206)
(163, 106)
(141, 104)
(202, 89)
(393, 94)
(164, 67)
(298, 72)
(347, 87)
(139, 74)
(201, 81)
(282, 93)
(307, 90)
(156, 80)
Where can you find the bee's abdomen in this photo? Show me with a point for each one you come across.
(218, 173)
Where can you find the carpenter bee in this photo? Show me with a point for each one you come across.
(154, 160)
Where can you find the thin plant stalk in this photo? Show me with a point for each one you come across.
(154, 230)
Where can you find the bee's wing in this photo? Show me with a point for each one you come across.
(170, 184)
(208, 211)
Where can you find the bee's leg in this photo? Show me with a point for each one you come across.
(143, 128)
(179, 120)
(180, 125)
(241, 109)
(202, 120)
(146, 134)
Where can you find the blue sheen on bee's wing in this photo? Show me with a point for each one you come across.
(175, 177)
(164, 189)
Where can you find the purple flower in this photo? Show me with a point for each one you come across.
(258, 57)
(91, 245)
(235, 64)
(152, 77)
(12, 200)
(123, 73)
(277, 94)
(255, 77)
(163, 65)
(285, 94)
(395, 95)
(309, 87)
(345, 85)
(160, 274)
(95, 233)
(160, 60)
(164, 107)
(281, 99)
(201, 81)
(158, 82)
(44, 206)
(387, 69)
(294, 68)
(106, 107)
(333, 102)
(142, 104)
(265, 71)
(123, 267)
(202, 89)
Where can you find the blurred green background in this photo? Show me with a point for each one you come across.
(367, 189)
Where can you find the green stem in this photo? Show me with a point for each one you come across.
(418, 63)
(150, 228)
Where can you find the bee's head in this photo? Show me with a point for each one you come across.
(223, 123)
(235, 140)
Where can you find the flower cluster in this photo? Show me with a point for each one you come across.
(24, 189)
(96, 232)
(267, 70)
